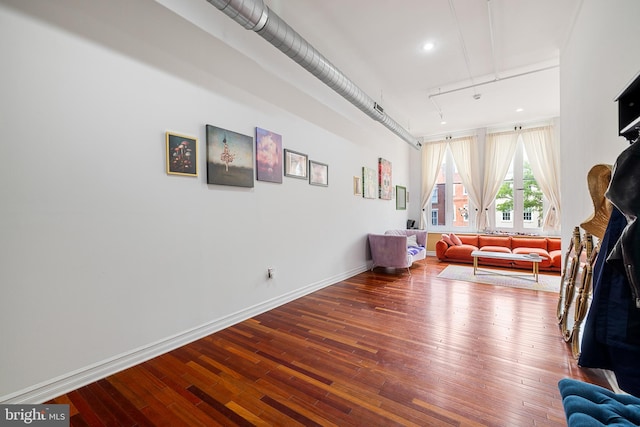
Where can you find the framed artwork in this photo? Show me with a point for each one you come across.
(384, 179)
(357, 186)
(182, 154)
(229, 158)
(369, 183)
(295, 164)
(318, 173)
(268, 156)
(401, 198)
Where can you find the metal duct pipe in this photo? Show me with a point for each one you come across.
(254, 15)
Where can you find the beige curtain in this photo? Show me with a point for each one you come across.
(544, 158)
(432, 155)
(467, 157)
(498, 155)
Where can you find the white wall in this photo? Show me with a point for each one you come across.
(600, 58)
(105, 259)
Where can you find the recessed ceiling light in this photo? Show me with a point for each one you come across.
(443, 122)
(519, 110)
(428, 46)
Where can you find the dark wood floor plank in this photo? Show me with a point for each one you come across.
(124, 404)
(376, 349)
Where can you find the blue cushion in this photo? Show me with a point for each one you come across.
(589, 405)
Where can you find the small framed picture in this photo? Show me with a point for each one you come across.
(318, 173)
(369, 183)
(357, 186)
(182, 154)
(295, 164)
(401, 198)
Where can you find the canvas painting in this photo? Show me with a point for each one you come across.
(384, 179)
(229, 158)
(268, 156)
(369, 183)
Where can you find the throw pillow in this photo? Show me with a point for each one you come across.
(411, 241)
(455, 239)
(447, 240)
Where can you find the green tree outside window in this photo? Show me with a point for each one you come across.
(532, 195)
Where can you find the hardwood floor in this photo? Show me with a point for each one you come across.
(378, 349)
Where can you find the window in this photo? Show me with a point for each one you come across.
(450, 205)
(519, 204)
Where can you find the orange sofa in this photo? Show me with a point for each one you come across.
(548, 247)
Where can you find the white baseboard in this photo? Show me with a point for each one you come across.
(50, 389)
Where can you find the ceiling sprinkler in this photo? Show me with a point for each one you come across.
(477, 96)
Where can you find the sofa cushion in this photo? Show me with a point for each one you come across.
(527, 251)
(546, 262)
(447, 240)
(455, 239)
(469, 240)
(554, 244)
(460, 252)
(556, 259)
(501, 249)
(421, 235)
(529, 242)
(504, 241)
(411, 241)
(495, 261)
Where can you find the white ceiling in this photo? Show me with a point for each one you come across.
(377, 44)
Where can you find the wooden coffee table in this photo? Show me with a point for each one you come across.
(509, 256)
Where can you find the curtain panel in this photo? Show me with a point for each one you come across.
(499, 152)
(467, 157)
(544, 158)
(432, 155)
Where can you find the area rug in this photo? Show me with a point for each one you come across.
(511, 278)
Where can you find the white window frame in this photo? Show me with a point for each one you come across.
(517, 214)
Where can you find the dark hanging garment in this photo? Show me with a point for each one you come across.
(624, 194)
(611, 338)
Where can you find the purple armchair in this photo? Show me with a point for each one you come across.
(398, 248)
